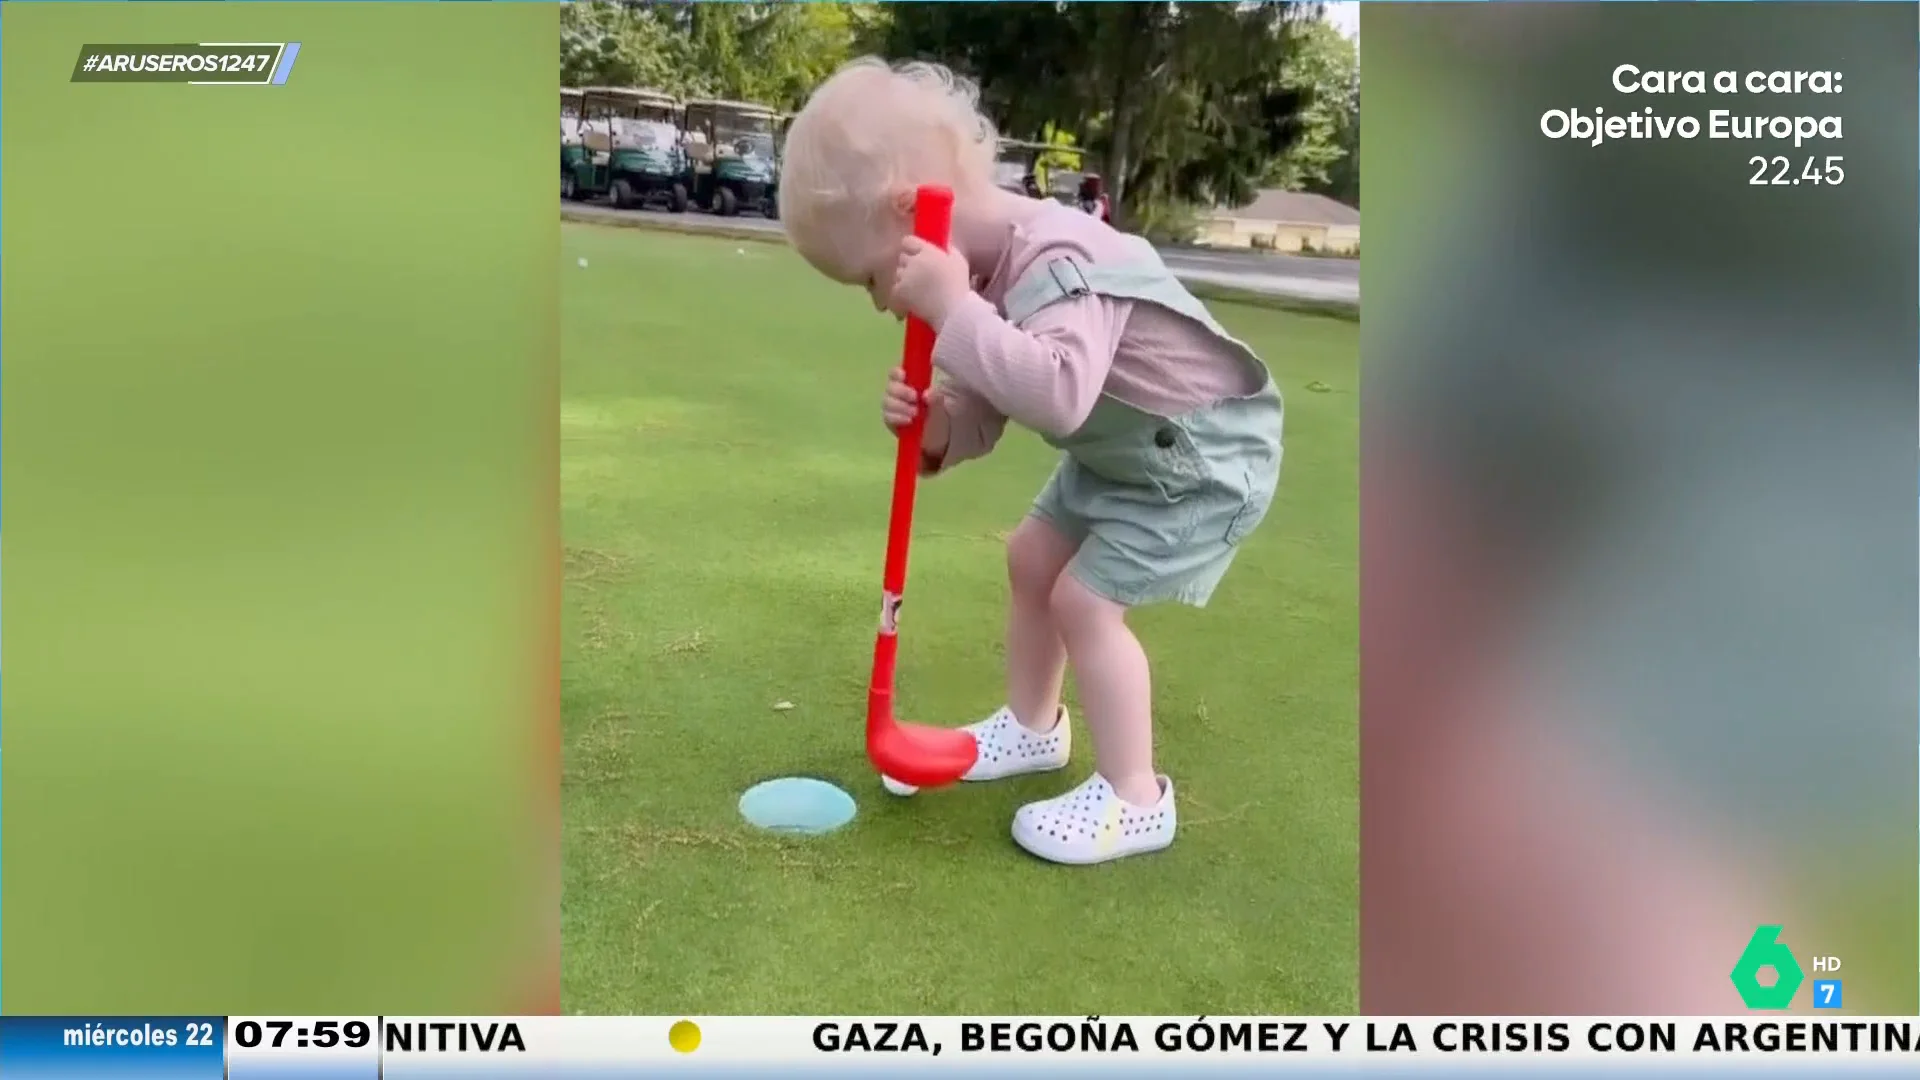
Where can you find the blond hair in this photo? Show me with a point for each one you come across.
(871, 131)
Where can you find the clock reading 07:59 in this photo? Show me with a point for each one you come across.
(1781, 171)
(323, 1034)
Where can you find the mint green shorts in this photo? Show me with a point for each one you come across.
(1171, 529)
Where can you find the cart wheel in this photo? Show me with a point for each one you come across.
(678, 199)
(725, 202)
(622, 194)
(569, 188)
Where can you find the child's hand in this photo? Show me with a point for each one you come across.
(901, 403)
(929, 282)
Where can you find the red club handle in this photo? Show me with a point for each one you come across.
(932, 221)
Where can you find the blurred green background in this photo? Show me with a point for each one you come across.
(1637, 539)
(279, 465)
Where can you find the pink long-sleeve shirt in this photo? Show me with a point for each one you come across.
(1048, 373)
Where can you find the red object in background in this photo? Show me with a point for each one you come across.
(1093, 198)
(911, 753)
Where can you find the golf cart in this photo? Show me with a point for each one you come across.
(633, 154)
(732, 164)
(573, 147)
(1022, 169)
(1018, 167)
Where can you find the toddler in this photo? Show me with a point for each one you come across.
(1169, 428)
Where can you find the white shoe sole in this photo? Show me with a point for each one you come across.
(1018, 770)
(903, 790)
(1046, 847)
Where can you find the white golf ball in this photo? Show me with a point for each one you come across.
(583, 264)
(896, 787)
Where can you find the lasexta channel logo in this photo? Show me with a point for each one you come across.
(1765, 950)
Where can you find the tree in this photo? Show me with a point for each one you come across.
(1024, 55)
(1184, 102)
(605, 44)
(1343, 177)
(769, 53)
(1234, 110)
(1325, 69)
(794, 47)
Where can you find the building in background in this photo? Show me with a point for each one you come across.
(1287, 221)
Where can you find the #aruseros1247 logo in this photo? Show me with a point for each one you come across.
(217, 63)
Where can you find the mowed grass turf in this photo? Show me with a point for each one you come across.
(725, 485)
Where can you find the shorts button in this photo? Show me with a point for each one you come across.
(1165, 438)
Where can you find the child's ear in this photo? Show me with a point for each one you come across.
(903, 203)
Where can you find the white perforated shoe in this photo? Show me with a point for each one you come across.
(1091, 824)
(1008, 748)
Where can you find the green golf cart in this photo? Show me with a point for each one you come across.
(573, 146)
(1018, 168)
(1067, 179)
(1040, 170)
(732, 164)
(633, 154)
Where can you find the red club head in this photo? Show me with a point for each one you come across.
(920, 755)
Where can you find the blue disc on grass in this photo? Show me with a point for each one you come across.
(797, 804)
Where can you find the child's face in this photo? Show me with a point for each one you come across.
(865, 253)
(884, 267)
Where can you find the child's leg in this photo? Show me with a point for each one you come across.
(1116, 691)
(1027, 735)
(1123, 809)
(1037, 553)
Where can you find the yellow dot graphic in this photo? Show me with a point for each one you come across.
(684, 1036)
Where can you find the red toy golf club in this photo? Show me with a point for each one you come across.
(911, 753)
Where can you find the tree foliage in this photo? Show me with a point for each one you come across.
(771, 53)
(1026, 56)
(1343, 176)
(1200, 104)
(1325, 69)
(605, 44)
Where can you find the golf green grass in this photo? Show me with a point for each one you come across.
(724, 480)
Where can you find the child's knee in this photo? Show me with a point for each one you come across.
(1030, 570)
(1036, 555)
(1077, 608)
